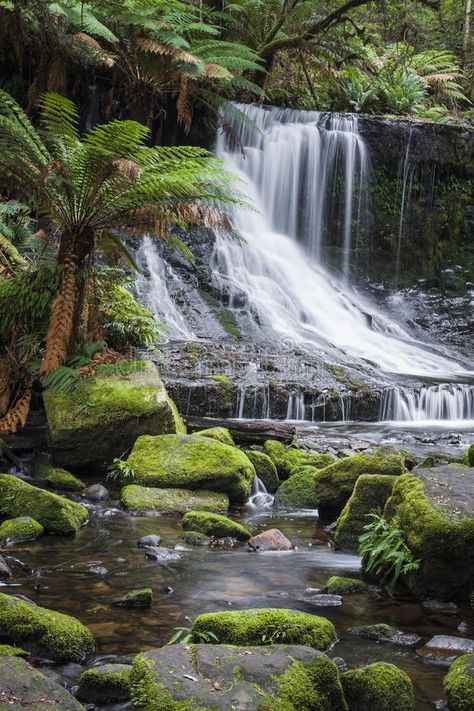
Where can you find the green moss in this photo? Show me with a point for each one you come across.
(251, 627)
(195, 538)
(379, 686)
(370, 492)
(314, 686)
(443, 544)
(55, 513)
(192, 462)
(142, 599)
(139, 499)
(335, 483)
(214, 525)
(64, 481)
(288, 460)
(459, 684)
(221, 434)
(24, 528)
(58, 637)
(228, 322)
(298, 491)
(344, 586)
(265, 469)
(6, 650)
(468, 456)
(104, 685)
(226, 393)
(147, 695)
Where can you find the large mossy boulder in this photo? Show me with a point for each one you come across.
(49, 634)
(434, 509)
(378, 686)
(265, 469)
(140, 499)
(459, 684)
(299, 491)
(256, 626)
(214, 525)
(23, 687)
(370, 493)
(334, 484)
(203, 676)
(55, 513)
(192, 462)
(23, 528)
(289, 459)
(103, 416)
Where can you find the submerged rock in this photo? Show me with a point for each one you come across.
(265, 469)
(50, 634)
(107, 683)
(22, 686)
(150, 541)
(23, 528)
(192, 462)
(322, 599)
(110, 411)
(290, 677)
(370, 492)
(266, 624)
(459, 684)
(385, 633)
(162, 555)
(139, 499)
(195, 538)
(136, 598)
(55, 513)
(378, 687)
(437, 607)
(271, 540)
(214, 525)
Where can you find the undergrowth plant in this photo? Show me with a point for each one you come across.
(185, 635)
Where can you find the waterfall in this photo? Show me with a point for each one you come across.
(295, 410)
(406, 171)
(290, 162)
(260, 499)
(444, 402)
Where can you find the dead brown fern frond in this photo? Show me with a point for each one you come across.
(61, 321)
(185, 103)
(16, 415)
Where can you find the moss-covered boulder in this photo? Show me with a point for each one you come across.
(219, 677)
(221, 434)
(192, 462)
(103, 416)
(334, 484)
(23, 687)
(265, 469)
(370, 492)
(459, 684)
(140, 499)
(6, 650)
(298, 492)
(343, 586)
(379, 686)
(140, 599)
(23, 528)
(55, 513)
(256, 626)
(214, 525)
(289, 459)
(468, 456)
(50, 634)
(434, 509)
(105, 684)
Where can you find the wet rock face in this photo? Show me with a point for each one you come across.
(23, 686)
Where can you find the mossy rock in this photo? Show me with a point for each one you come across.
(379, 686)
(23, 528)
(140, 599)
(265, 469)
(55, 513)
(289, 459)
(459, 684)
(438, 527)
(270, 678)
(195, 538)
(214, 525)
(50, 634)
(221, 434)
(140, 499)
(253, 626)
(103, 416)
(6, 650)
(23, 687)
(468, 456)
(334, 484)
(192, 462)
(298, 492)
(370, 492)
(336, 585)
(105, 684)
(62, 480)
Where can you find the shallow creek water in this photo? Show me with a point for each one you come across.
(82, 575)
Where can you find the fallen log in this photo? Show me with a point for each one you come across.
(246, 431)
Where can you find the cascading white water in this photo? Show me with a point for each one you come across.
(295, 410)
(445, 402)
(260, 499)
(287, 163)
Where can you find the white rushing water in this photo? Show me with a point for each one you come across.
(288, 165)
(448, 402)
(260, 499)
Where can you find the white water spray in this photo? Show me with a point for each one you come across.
(260, 499)
(439, 403)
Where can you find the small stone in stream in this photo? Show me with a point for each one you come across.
(340, 663)
(136, 598)
(382, 633)
(440, 705)
(440, 608)
(162, 555)
(226, 543)
(195, 538)
(463, 627)
(461, 645)
(97, 570)
(96, 492)
(323, 600)
(150, 541)
(5, 571)
(271, 540)
(336, 585)
(104, 684)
